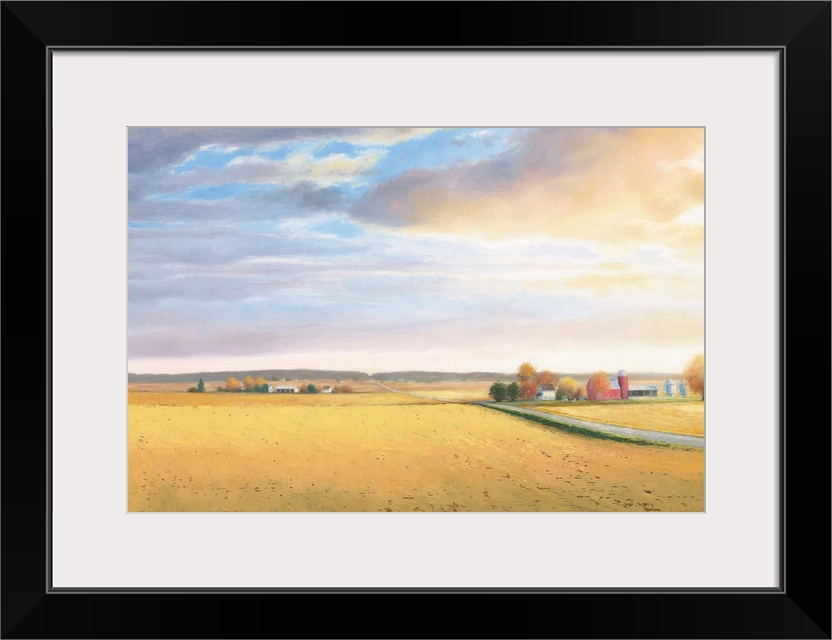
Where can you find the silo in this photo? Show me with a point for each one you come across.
(683, 388)
(624, 384)
(669, 388)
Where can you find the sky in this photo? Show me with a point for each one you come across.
(381, 249)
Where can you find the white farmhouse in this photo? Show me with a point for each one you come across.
(326, 389)
(546, 392)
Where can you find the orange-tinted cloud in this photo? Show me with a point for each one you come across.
(608, 186)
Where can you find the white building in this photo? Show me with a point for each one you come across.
(546, 392)
(285, 389)
(326, 389)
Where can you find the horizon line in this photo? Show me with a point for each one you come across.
(439, 371)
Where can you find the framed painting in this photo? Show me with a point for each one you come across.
(349, 318)
(305, 303)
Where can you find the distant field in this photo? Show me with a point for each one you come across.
(274, 399)
(171, 387)
(385, 452)
(683, 417)
(445, 390)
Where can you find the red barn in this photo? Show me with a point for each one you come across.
(613, 393)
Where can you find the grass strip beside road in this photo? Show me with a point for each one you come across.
(602, 435)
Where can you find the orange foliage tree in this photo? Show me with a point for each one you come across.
(526, 372)
(694, 374)
(248, 382)
(599, 382)
(232, 384)
(528, 389)
(547, 377)
(260, 382)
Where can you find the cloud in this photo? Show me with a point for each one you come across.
(330, 170)
(152, 148)
(216, 245)
(664, 328)
(302, 166)
(669, 286)
(161, 147)
(301, 199)
(369, 335)
(614, 186)
(384, 135)
(293, 172)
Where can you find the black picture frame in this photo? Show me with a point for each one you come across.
(799, 608)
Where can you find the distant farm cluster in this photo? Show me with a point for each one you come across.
(261, 385)
(545, 385)
(619, 388)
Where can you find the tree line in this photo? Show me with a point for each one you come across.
(527, 382)
(261, 385)
(246, 385)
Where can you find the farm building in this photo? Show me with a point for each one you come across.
(613, 393)
(644, 391)
(545, 392)
(620, 388)
(683, 388)
(286, 389)
(326, 389)
(624, 384)
(669, 388)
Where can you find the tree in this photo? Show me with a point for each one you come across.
(526, 372)
(200, 387)
(581, 392)
(528, 390)
(568, 389)
(261, 382)
(248, 383)
(498, 391)
(694, 374)
(343, 388)
(512, 391)
(547, 377)
(598, 383)
(232, 384)
(311, 388)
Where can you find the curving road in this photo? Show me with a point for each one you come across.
(655, 436)
(643, 434)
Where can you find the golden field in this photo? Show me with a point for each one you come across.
(684, 417)
(385, 452)
(274, 399)
(469, 391)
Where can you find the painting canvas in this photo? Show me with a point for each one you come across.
(473, 319)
